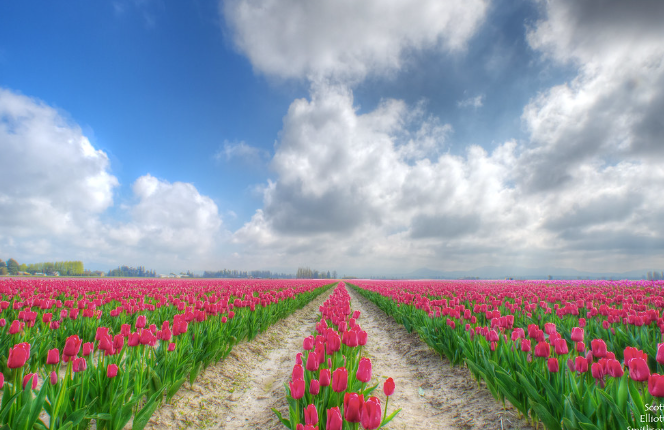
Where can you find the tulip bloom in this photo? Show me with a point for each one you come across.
(577, 334)
(632, 353)
(171, 347)
(371, 414)
(298, 372)
(325, 377)
(598, 347)
(297, 388)
(308, 343)
(614, 368)
(581, 364)
(312, 362)
(88, 347)
(580, 347)
(553, 365)
(364, 370)
(28, 377)
(310, 415)
(560, 346)
(314, 387)
(17, 357)
(542, 349)
(353, 404)
(656, 385)
(53, 378)
(334, 421)
(2, 380)
(340, 380)
(141, 321)
(660, 353)
(79, 365)
(638, 369)
(388, 387)
(72, 346)
(525, 345)
(112, 370)
(597, 371)
(53, 356)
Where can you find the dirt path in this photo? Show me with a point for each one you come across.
(431, 393)
(239, 392)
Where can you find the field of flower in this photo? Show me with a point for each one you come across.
(570, 355)
(112, 351)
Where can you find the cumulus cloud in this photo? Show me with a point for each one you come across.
(57, 189)
(52, 176)
(584, 189)
(344, 39)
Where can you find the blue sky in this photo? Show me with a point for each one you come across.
(370, 137)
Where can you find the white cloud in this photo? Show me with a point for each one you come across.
(57, 188)
(474, 102)
(241, 151)
(345, 39)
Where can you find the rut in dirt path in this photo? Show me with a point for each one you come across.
(239, 392)
(431, 393)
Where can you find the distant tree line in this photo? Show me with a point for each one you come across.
(227, 273)
(132, 272)
(64, 268)
(655, 276)
(307, 273)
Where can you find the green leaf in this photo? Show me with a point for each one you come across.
(617, 412)
(174, 388)
(390, 417)
(144, 415)
(7, 405)
(194, 372)
(543, 414)
(37, 406)
(283, 420)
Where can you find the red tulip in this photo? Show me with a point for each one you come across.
(371, 414)
(79, 365)
(660, 353)
(15, 327)
(171, 347)
(298, 372)
(112, 370)
(388, 387)
(28, 377)
(141, 321)
(310, 415)
(340, 380)
(72, 346)
(597, 371)
(553, 365)
(325, 377)
(492, 336)
(314, 387)
(525, 345)
(614, 368)
(581, 364)
(362, 337)
(88, 347)
(2, 380)
(364, 370)
(53, 378)
(632, 353)
(560, 346)
(580, 347)
(312, 362)
(18, 355)
(53, 356)
(334, 420)
(353, 403)
(297, 388)
(598, 347)
(656, 385)
(577, 334)
(542, 349)
(308, 343)
(638, 369)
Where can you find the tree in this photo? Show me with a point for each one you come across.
(3, 268)
(334, 275)
(12, 266)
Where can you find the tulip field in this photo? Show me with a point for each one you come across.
(109, 352)
(566, 354)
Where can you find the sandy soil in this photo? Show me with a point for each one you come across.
(239, 392)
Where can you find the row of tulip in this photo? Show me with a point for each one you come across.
(116, 351)
(328, 387)
(570, 356)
